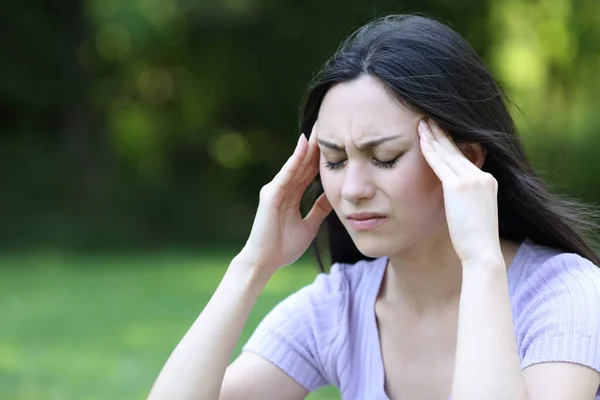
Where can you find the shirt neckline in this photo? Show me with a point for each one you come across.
(377, 358)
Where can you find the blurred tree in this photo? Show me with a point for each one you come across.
(154, 123)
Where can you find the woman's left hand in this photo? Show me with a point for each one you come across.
(470, 196)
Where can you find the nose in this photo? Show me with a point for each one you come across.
(357, 185)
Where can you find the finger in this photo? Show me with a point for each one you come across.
(310, 165)
(296, 191)
(290, 168)
(307, 171)
(318, 212)
(435, 161)
(446, 141)
(294, 196)
(445, 148)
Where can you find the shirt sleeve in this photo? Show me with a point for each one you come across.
(297, 334)
(561, 319)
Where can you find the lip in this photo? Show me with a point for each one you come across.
(365, 221)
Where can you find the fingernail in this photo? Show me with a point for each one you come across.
(423, 125)
(300, 139)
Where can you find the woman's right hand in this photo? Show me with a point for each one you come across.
(279, 234)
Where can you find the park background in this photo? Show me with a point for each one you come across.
(135, 136)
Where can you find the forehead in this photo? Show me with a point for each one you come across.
(363, 109)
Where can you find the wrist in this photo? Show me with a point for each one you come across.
(248, 272)
(490, 262)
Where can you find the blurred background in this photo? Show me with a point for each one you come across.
(136, 135)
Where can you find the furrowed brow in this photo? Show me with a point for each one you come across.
(367, 145)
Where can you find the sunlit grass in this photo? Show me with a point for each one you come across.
(101, 327)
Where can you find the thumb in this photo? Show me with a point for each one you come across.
(318, 212)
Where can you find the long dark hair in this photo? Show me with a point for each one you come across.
(431, 69)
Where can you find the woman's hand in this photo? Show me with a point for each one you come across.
(279, 234)
(470, 196)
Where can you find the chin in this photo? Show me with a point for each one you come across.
(373, 247)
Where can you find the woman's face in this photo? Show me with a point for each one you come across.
(390, 177)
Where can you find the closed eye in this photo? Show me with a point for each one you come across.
(377, 163)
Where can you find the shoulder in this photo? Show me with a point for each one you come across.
(331, 291)
(556, 307)
(299, 333)
(548, 271)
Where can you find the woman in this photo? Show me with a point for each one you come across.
(455, 272)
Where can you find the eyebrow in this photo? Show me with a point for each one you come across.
(368, 145)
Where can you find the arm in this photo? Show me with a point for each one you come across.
(196, 367)
(286, 356)
(279, 236)
(252, 377)
(487, 362)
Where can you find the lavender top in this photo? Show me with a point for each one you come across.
(326, 333)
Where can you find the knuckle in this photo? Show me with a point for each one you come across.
(455, 185)
(266, 191)
(463, 184)
(322, 205)
(489, 179)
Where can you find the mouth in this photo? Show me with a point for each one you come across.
(365, 221)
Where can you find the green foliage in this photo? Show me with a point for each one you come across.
(155, 123)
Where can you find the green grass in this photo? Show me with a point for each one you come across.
(101, 327)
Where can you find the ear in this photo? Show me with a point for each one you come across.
(474, 152)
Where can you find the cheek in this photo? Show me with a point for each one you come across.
(329, 186)
(417, 187)
(429, 196)
(429, 182)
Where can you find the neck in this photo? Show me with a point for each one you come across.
(426, 279)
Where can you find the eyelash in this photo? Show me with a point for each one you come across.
(376, 162)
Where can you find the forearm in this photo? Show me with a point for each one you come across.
(196, 367)
(487, 364)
